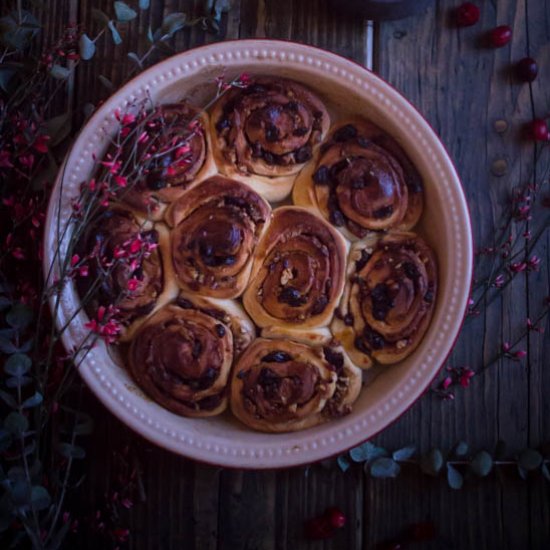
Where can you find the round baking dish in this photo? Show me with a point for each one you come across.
(348, 88)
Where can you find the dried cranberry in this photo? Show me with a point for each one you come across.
(334, 358)
(222, 124)
(383, 212)
(347, 132)
(467, 14)
(320, 305)
(374, 340)
(500, 36)
(539, 130)
(268, 157)
(299, 132)
(292, 297)
(197, 349)
(337, 218)
(276, 357)
(303, 154)
(362, 261)
(321, 175)
(271, 133)
(527, 69)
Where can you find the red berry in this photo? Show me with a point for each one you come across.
(539, 130)
(500, 36)
(336, 517)
(467, 15)
(318, 528)
(527, 69)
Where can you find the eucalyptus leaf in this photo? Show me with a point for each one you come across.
(5, 303)
(71, 451)
(18, 364)
(33, 401)
(461, 448)
(135, 58)
(124, 12)
(59, 72)
(432, 462)
(8, 399)
(150, 35)
(172, 23)
(367, 451)
(211, 25)
(86, 47)
(20, 492)
(522, 472)
(482, 464)
(143, 4)
(40, 498)
(343, 463)
(100, 16)
(88, 109)
(384, 467)
(529, 459)
(106, 82)
(16, 423)
(117, 39)
(17, 35)
(58, 128)
(454, 477)
(405, 453)
(19, 316)
(6, 346)
(545, 471)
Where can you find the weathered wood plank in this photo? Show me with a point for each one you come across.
(538, 288)
(463, 89)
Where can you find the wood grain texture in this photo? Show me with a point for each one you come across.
(462, 88)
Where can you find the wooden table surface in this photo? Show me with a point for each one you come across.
(462, 88)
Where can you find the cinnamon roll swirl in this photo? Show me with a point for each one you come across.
(389, 298)
(216, 227)
(265, 133)
(124, 258)
(174, 150)
(362, 180)
(298, 273)
(283, 386)
(182, 355)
